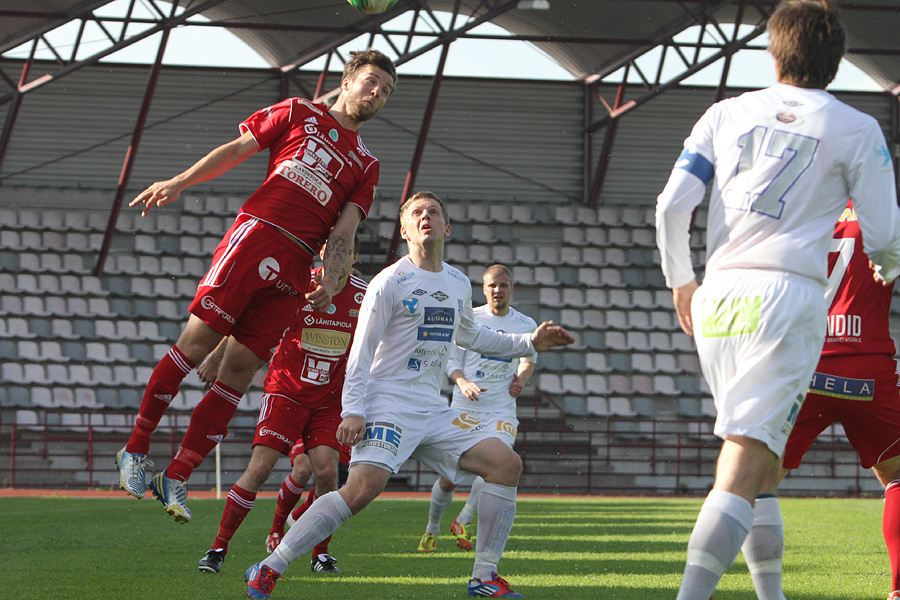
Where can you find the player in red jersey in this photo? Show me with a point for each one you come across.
(301, 401)
(320, 178)
(855, 384)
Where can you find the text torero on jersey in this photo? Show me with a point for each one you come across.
(408, 322)
(316, 167)
(493, 373)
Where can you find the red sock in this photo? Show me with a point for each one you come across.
(208, 427)
(161, 388)
(288, 496)
(310, 498)
(890, 524)
(238, 504)
(321, 547)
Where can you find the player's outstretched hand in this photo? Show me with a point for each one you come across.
(681, 298)
(158, 194)
(209, 368)
(548, 335)
(351, 430)
(208, 371)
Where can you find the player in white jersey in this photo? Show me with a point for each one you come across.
(412, 313)
(486, 388)
(783, 162)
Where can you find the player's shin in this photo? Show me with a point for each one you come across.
(321, 520)
(496, 513)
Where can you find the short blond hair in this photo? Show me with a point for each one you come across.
(498, 269)
(429, 195)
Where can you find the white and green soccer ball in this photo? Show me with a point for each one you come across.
(373, 7)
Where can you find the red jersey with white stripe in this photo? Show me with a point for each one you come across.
(316, 167)
(858, 316)
(310, 363)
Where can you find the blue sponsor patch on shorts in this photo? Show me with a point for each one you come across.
(414, 364)
(434, 334)
(842, 387)
(384, 435)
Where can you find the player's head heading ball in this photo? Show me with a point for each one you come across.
(361, 58)
(807, 40)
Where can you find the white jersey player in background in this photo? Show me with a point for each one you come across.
(783, 162)
(486, 388)
(412, 313)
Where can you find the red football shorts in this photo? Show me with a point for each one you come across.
(255, 285)
(282, 422)
(860, 393)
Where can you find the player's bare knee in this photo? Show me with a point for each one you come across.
(504, 469)
(326, 479)
(887, 471)
(446, 485)
(357, 496)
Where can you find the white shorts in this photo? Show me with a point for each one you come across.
(437, 437)
(759, 335)
(504, 425)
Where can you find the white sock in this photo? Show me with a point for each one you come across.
(440, 502)
(318, 522)
(496, 512)
(721, 527)
(468, 512)
(764, 549)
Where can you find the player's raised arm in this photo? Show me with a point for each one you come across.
(209, 167)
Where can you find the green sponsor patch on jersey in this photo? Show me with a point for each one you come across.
(724, 317)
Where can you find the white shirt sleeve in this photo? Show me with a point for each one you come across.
(872, 188)
(478, 338)
(683, 193)
(374, 315)
(455, 360)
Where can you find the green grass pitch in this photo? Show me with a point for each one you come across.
(562, 548)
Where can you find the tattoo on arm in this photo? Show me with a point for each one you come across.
(335, 252)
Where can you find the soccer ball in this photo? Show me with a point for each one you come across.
(373, 7)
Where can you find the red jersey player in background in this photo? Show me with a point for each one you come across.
(301, 401)
(320, 178)
(855, 384)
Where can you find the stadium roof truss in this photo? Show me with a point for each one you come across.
(637, 48)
